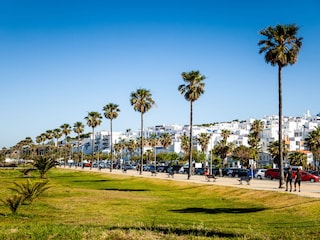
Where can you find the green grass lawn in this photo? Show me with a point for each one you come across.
(91, 205)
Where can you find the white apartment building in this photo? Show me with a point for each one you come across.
(295, 130)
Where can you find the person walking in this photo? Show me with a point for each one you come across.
(288, 178)
(297, 180)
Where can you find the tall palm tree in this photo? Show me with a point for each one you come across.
(111, 111)
(93, 119)
(142, 101)
(57, 134)
(281, 47)
(192, 90)
(78, 128)
(66, 130)
(50, 134)
(43, 138)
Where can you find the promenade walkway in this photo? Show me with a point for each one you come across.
(308, 189)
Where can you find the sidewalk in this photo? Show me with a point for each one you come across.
(308, 189)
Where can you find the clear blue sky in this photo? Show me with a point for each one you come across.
(61, 59)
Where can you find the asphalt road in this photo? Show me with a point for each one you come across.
(308, 189)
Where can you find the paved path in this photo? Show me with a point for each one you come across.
(308, 189)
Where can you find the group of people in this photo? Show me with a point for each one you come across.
(289, 178)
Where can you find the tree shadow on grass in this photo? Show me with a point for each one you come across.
(183, 232)
(95, 180)
(218, 210)
(125, 189)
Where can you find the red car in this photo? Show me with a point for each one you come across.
(305, 176)
(272, 173)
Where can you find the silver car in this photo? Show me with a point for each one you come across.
(260, 173)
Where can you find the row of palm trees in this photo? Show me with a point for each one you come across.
(281, 46)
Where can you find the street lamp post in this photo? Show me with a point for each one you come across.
(211, 156)
(82, 157)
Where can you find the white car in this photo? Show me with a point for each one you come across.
(260, 173)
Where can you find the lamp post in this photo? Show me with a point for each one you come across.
(82, 157)
(211, 154)
(155, 159)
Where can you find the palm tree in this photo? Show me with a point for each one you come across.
(43, 138)
(111, 111)
(78, 128)
(273, 150)
(50, 134)
(66, 130)
(142, 101)
(185, 144)
(131, 147)
(57, 134)
(192, 90)
(225, 133)
(254, 137)
(153, 141)
(281, 47)
(165, 140)
(44, 164)
(93, 119)
(313, 143)
(298, 159)
(203, 140)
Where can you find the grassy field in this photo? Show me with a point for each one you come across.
(91, 205)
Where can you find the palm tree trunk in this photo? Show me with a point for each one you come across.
(281, 180)
(111, 146)
(92, 152)
(190, 143)
(141, 146)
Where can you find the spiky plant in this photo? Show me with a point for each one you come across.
(29, 190)
(13, 202)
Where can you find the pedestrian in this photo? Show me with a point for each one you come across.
(289, 179)
(297, 179)
(206, 171)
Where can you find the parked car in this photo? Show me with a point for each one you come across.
(128, 166)
(314, 173)
(305, 176)
(199, 171)
(87, 164)
(260, 173)
(272, 173)
(162, 168)
(238, 172)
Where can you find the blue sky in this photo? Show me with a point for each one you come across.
(62, 59)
